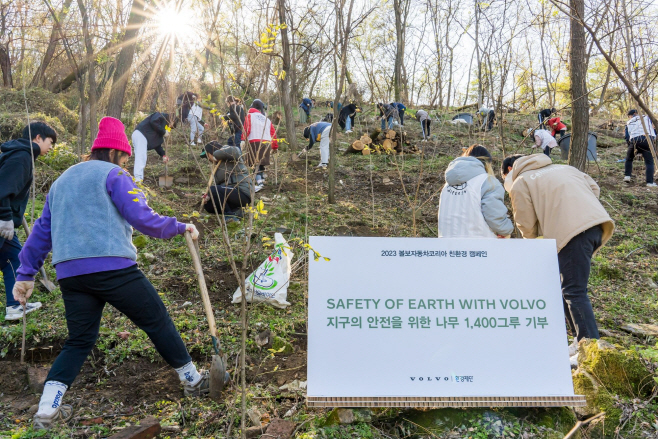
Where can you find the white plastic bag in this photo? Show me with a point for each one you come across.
(269, 283)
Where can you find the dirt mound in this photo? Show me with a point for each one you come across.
(38, 101)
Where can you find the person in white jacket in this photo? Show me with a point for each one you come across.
(471, 203)
(544, 140)
(197, 125)
(637, 141)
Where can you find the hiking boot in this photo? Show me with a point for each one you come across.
(16, 312)
(627, 179)
(200, 388)
(62, 414)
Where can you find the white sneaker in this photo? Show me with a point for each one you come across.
(192, 144)
(322, 166)
(258, 187)
(652, 185)
(574, 361)
(627, 179)
(348, 131)
(16, 312)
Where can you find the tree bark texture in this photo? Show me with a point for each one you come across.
(579, 97)
(125, 59)
(291, 138)
(52, 45)
(91, 73)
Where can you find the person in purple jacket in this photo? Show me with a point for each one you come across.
(87, 221)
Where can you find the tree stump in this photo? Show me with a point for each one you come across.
(387, 144)
(356, 146)
(366, 140)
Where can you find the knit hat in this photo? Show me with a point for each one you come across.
(112, 135)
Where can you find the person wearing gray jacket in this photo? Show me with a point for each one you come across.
(233, 184)
(471, 203)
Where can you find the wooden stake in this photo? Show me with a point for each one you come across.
(210, 182)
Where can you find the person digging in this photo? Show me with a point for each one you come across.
(95, 260)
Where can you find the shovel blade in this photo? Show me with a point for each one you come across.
(217, 377)
(166, 181)
(48, 284)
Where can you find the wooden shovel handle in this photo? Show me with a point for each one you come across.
(202, 282)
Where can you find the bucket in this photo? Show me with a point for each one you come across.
(468, 117)
(591, 146)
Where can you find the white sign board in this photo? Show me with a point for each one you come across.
(437, 322)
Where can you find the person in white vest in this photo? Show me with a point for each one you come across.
(197, 125)
(637, 141)
(260, 135)
(471, 203)
(544, 140)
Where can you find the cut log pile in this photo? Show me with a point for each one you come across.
(382, 142)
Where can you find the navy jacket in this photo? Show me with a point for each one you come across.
(15, 179)
(306, 106)
(399, 106)
(153, 128)
(316, 132)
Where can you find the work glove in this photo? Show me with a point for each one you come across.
(7, 230)
(165, 159)
(23, 290)
(190, 228)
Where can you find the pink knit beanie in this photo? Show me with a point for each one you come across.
(112, 135)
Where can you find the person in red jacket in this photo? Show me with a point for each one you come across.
(556, 126)
(261, 136)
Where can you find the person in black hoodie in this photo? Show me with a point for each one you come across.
(15, 181)
(236, 117)
(346, 117)
(150, 134)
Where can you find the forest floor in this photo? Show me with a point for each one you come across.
(125, 380)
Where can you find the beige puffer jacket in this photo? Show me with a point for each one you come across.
(555, 201)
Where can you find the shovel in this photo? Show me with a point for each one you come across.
(166, 180)
(45, 281)
(218, 365)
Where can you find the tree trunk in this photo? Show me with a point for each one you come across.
(52, 45)
(291, 138)
(5, 64)
(579, 97)
(399, 85)
(93, 121)
(125, 59)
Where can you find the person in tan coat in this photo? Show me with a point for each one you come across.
(562, 203)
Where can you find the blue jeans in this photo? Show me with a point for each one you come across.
(238, 139)
(348, 123)
(9, 263)
(390, 123)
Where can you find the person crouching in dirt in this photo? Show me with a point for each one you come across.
(544, 141)
(261, 136)
(557, 127)
(88, 221)
(487, 116)
(472, 200)
(233, 184)
(150, 134)
(16, 173)
(425, 121)
(305, 110)
(544, 115)
(562, 203)
(387, 113)
(346, 117)
(236, 117)
(401, 109)
(318, 132)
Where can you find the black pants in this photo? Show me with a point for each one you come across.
(235, 200)
(547, 151)
(401, 113)
(642, 146)
(575, 260)
(128, 291)
(425, 125)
